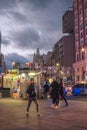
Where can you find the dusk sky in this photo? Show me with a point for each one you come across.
(30, 24)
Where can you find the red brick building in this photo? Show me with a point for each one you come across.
(80, 36)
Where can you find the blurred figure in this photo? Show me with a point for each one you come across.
(61, 92)
(31, 94)
(46, 88)
(54, 92)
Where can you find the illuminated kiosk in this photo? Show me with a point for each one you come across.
(10, 80)
(17, 81)
(24, 75)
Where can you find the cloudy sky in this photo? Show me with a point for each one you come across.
(30, 24)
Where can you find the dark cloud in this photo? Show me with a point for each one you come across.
(25, 39)
(7, 4)
(32, 24)
(18, 17)
(6, 42)
(36, 4)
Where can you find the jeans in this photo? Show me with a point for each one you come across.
(30, 101)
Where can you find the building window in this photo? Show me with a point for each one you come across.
(81, 26)
(85, 5)
(77, 57)
(81, 42)
(77, 69)
(76, 23)
(86, 40)
(78, 78)
(76, 39)
(85, 22)
(83, 55)
(86, 31)
(76, 31)
(80, 11)
(85, 13)
(76, 45)
(81, 34)
(83, 77)
(82, 68)
(81, 18)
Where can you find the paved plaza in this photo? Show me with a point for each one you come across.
(12, 115)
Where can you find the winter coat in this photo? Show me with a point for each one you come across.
(31, 91)
(54, 92)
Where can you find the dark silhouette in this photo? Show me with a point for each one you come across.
(32, 97)
(46, 88)
(54, 93)
(61, 92)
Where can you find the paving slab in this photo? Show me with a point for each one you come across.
(13, 115)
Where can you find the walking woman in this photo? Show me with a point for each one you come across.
(31, 94)
(61, 92)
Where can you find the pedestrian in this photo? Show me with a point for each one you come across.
(54, 93)
(31, 94)
(46, 88)
(61, 92)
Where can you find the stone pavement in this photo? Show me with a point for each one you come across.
(12, 116)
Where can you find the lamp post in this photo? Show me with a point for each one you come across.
(13, 63)
(58, 70)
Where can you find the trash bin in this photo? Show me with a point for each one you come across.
(0, 94)
(6, 92)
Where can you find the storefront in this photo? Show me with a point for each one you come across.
(10, 80)
(17, 81)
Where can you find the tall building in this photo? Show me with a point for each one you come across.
(63, 51)
(2, 62)
(80, 36)
(67, 22)
(38, 59)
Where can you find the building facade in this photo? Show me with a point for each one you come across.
(67, 22)
(63, 51)
(80, 36)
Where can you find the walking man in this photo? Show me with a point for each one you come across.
(31, 94)
(54, 92)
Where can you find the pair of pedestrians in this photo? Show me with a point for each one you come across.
(56, 91)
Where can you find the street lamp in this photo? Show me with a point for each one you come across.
(58, 70)
(13, 63)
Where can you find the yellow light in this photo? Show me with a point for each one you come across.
(83, 49)
(50, 80)
(31, 74)
(23, 74)
(57, 64)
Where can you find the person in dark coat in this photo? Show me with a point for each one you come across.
(61, 92)
(31, 94)
(54, 93)
(46, 88)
